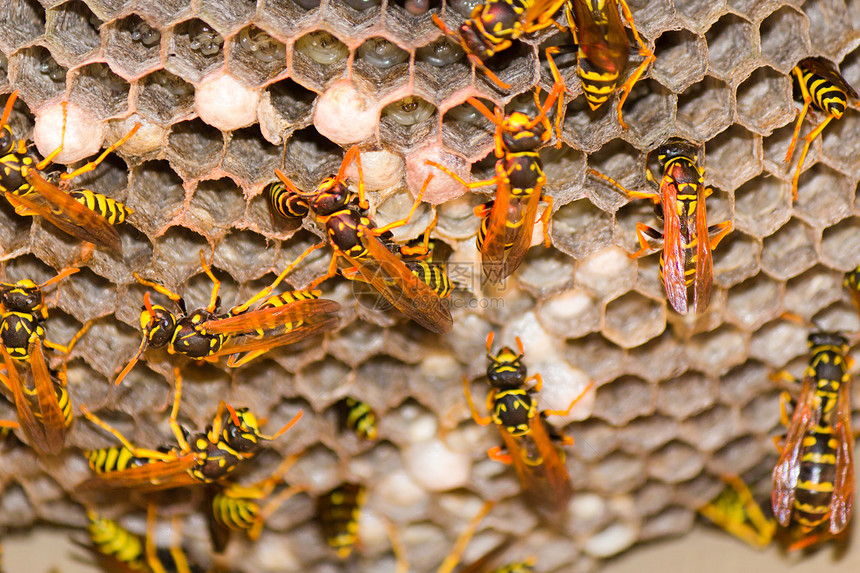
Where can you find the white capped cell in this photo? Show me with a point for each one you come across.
(436, 467)
(381, 169)
(226, 103)
(84, 134)
(612, 540)
(442, 187)
(345, 114)
(562, 384)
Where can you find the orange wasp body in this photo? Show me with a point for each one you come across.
(44, 409)
(686, 263)
(242, 333)
(507, 222)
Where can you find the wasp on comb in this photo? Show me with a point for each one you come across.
(813, 481)
(507, 222)
(416, 288)
(686, 263)
(604, 49)
(44, 408)
(530, 442)
(204, 457)
(81, 213)
(242, 333)
(820, 84)
(495, 24)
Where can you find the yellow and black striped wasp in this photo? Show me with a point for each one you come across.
(81, 213)
(44, 408)
(852, 283)
(237, 507)
(736, 511)
(507, 222)
(604, 49)
(358, 417)
(205, 457)
(686, 263)
(338, 512)
(820, 84)
(495, 24)
(813, 481)
(118, 550)
(530, 442)
(414, 287)
(242, 333)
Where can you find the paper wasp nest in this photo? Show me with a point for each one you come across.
(677, 403)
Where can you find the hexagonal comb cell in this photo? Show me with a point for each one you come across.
(256, 57)
(759, 112)
(42, 77)
(196, 49)
(72, 30)
(165, 97)
(318, 59)
(784, 38)
(408, 122)
(132, 46)
(684, 52)
(97, 83)
(789, 251)
(704, 109)
(732, 48)
(21, 22)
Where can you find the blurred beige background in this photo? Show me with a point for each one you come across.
(705, 550)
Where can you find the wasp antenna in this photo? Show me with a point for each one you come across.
(289, 425)
(8, 109)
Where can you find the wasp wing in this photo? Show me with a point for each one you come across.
(605, 46)
(674, 277)
(60, 209)
(274, 317)
(553, 465)
(521, 232)
(53, 421)
(828, 70)
(26, 417)
(153, 476)
(400, 286)
(496, 239)
(704, 260)
(252, 343)
(843, 486)
(787, 469)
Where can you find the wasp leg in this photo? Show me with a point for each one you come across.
(395, 224)
(807, 100)
(643, 51)
(67, 349)
(453, 558)
(93, 164)
(460, 180)
(496, 454)
(271, 288)
(135, 451)
(809, 139)
(571, 405)
(641, 231)
(721, 230)
(654, 196)
(161, 289)
(480, 420)
(544, 218)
